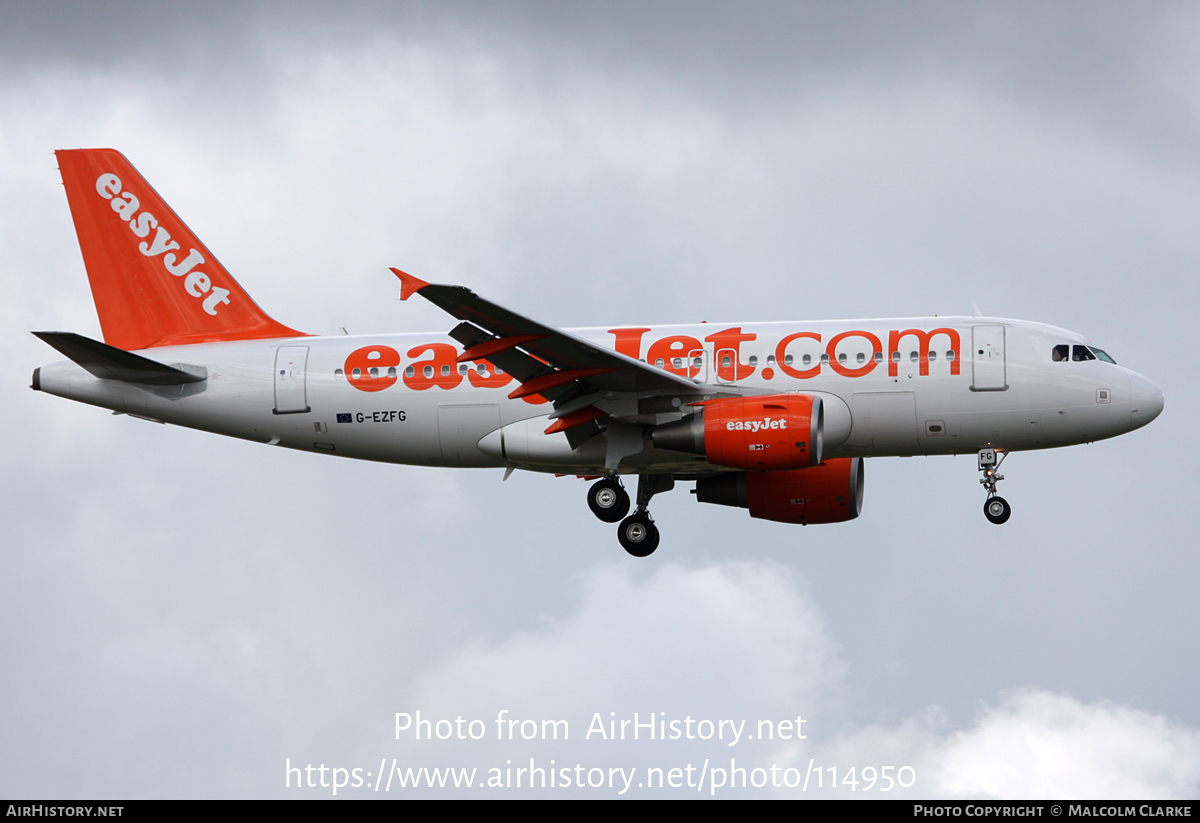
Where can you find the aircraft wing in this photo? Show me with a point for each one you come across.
(538, 355)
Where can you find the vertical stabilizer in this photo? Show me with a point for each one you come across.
(153, 281)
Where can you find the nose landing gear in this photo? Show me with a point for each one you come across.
(995, 508)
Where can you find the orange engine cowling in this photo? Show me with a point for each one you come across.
(763, 433)
(829, 493)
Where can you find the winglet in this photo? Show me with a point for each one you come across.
(409, 285)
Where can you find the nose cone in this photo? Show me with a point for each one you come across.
(1145, 401)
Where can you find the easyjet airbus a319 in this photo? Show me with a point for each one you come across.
(771, 417)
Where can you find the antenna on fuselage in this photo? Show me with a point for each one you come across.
(976, 311)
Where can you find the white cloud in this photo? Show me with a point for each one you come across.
(1035, 744)
(745, 641)
(721, 641)
(1044, 745)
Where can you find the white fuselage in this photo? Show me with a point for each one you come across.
(971, 383)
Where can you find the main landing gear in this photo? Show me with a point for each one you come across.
(995, 508)
(638, 535)
(609, 501)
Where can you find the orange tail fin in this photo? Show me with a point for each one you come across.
(154, 282)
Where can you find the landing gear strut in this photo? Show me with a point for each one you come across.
(608, 499)
(995, 508)
(637, 533)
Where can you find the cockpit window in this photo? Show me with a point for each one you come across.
(1103, 355)
(1082, 353)
(1062, 353)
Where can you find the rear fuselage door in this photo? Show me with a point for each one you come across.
(291, 363)
(987, 358)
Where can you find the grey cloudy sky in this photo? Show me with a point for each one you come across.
(183, 612)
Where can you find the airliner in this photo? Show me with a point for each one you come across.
(775, 418)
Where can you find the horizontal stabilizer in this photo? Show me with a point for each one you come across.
(110, 363)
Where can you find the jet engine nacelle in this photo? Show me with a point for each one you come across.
(771, 432)
(829, 493)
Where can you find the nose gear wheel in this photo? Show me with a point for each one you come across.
(997, 510)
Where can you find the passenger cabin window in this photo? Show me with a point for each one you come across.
(660, 363)
(770, 360)
(878, 357)
(824, 359)
(861, 358)
(950, 354)
(1082, 353)
(842, 358)
(753, 360)
(409, 372)
(427, 371)
(391, 371)
(914, 356)
(1061, 353)
(807, 359)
